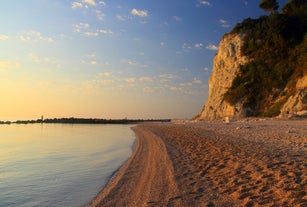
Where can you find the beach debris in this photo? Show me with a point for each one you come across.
(227, 121)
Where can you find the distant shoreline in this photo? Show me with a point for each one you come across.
(73, 120)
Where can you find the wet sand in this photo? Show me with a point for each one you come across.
(243, 163)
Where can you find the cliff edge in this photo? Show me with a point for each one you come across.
(226, 66)
(260, 69)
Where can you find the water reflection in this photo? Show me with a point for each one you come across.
(59, 164)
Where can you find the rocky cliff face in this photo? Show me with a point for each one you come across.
(297, 103)
(226, 66)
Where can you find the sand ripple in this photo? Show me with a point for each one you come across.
(248, 163)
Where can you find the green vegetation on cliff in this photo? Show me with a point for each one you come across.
(277, 47)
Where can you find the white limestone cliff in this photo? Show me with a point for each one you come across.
(226, 66)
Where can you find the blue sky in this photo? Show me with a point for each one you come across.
(111, 58)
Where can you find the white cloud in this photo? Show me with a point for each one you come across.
(131, 62)
(102, 3)
(91, 2)
(76, 5)
(93, 62)
(120, 17)
(93, 55)
(176, 18)
(107, 81)
(168, 77)
(206, 69)
(224, 23)
(198, 45)
(162, 44)
(197, 80)
(205, 3)
(130, 80)
(99, 14)
(34, 58)
(186, 46)
(145, 79)
(212, 47)
(148, 89)
(104, 31)
(140, 13)
(34, 36)
(4, 37)
(105, 74)
(7, 65)
(91, 34)
(80, 26)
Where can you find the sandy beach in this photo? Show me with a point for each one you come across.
(252, 162)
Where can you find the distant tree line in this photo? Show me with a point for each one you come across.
(73, 120)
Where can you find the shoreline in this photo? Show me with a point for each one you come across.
(243, 163)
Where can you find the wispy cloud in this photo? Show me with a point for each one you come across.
(133, 63)
(106, 31)
(146, 79)
(105, 74)
(76, 5)
(80, 26)
(4, 37)
(34, 36)
(86, 4)
(120, 17)
(130, 80)
(93, 62)
(198, 45)
(204, 3)
(212, 47)
(100, 15)
(140, 13)
(177, 19)
(197, 80)
(84, 29)
(90, 2)
(4, 65)
(206, 69)
(186, 46)
(102, 3)
(224, 23)
(90, 59)
(168, 77)
(91, 34)
(38, 59)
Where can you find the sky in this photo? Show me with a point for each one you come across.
(112, 58)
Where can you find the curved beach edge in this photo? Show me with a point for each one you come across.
(243, 163)
(139, 182)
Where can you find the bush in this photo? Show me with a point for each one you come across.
(277, 46)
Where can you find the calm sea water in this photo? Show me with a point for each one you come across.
(59, 164)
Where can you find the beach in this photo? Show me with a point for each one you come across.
(250, 162)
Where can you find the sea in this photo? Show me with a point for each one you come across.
(56, 165)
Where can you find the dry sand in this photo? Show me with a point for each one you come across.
(243, 163)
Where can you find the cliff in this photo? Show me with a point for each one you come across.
(226, 66)
(260, 68)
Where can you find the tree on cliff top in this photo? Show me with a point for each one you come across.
(269, 5)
